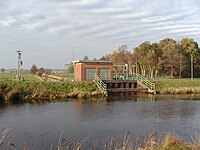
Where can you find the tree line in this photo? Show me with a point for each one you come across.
(167, 58)
(39, 71)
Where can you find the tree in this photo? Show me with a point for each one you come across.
(2, 70)
(104, 58)
(40, 71)
(120, 57)
(34, 69)
(70, 68)
(157, 59)
(190, 49)
(170, 57)
(142, 53)
(85, 57)
(147, 56)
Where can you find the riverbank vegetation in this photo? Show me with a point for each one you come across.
(32, 89)
(168, 142)
(177, 86)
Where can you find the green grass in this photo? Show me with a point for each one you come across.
(11, 76)
(177, 86)
(30, 77)
(50, 86)
(7, 75)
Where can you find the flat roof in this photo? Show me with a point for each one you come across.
(92, 62)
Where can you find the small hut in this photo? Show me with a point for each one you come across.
(84, 70)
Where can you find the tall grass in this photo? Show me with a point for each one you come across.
(169, 142)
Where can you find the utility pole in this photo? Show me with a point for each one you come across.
(19, 64)
(192, 66)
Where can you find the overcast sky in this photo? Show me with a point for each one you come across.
(49, 31)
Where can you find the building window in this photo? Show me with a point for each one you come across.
(104, 73)
(89, 73)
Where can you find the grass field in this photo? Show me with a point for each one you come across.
(11, 76)
(26, 76)
(177, 86)
(7, 75)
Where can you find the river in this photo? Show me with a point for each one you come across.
(40, 125)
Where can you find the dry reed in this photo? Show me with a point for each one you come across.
(169, 142)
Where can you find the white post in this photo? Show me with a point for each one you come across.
(19, 63)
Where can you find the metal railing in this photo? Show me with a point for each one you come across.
(100, 82)
(146, 82)
(121, 76)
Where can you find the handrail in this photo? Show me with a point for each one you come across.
(135, 76)
(146, 82)
(100, 82)
(122, 76)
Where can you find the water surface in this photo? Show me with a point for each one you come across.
(40, 125)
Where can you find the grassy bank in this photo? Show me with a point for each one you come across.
(177, 86)
(32, 90)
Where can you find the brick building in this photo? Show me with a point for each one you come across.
(85, 69)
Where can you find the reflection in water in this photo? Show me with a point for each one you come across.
(178, 97)
(40, 125)
(86, 111)
(131, 96)
(150, 97)
(167, 110)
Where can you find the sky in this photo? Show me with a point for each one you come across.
(51, 33)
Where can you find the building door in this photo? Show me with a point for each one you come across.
(104, 73)
(89, 73)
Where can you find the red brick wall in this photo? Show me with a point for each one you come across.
(79, 70)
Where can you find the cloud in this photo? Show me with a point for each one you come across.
(91, 22)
